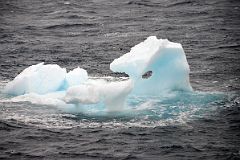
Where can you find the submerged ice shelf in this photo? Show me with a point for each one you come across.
(155, 67)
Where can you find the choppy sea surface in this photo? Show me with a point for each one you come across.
(204, 124)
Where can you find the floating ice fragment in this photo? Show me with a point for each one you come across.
(44, 79)
(155, 67)
(112, 94)
(37, 78)
(76, 77)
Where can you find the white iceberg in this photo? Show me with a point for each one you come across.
(155, 66)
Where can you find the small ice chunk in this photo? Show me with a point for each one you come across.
(112, 94)
(115, 93)
(76, 76)
(37, 78)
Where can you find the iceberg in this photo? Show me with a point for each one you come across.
(155, 67)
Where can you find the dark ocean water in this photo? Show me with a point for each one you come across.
(90, 34)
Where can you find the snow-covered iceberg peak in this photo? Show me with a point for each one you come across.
(155, 66)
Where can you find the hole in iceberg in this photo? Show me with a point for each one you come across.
(147, 75)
